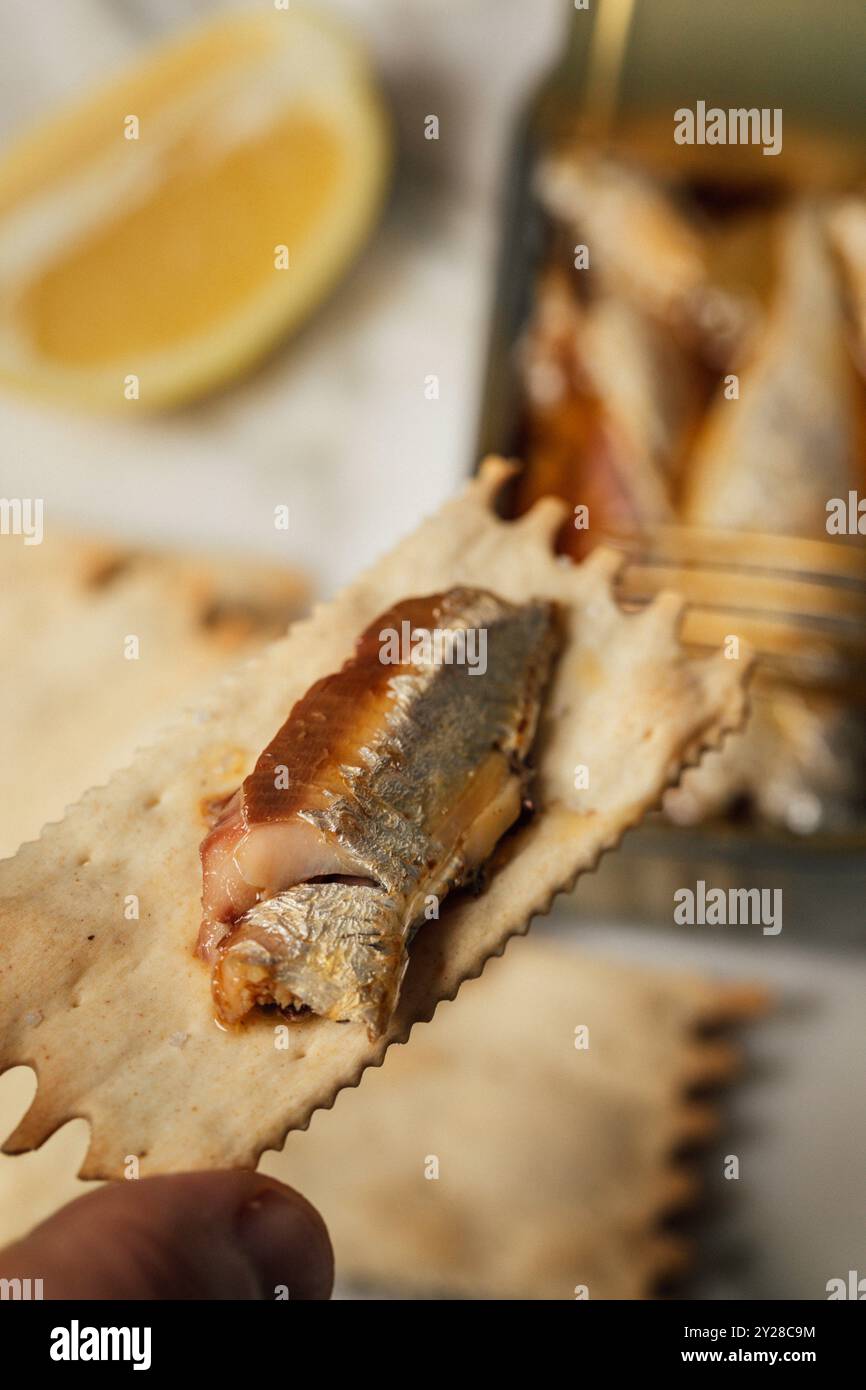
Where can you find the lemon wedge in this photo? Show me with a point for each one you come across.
(158, 238)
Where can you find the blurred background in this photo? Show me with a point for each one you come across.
(410, 357)
(337, 424)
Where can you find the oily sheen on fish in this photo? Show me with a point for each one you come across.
(389, 784)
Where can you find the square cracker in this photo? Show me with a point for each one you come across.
(554, 1162)
(115, 1014)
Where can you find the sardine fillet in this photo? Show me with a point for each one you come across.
(398, 775)
(771, 460)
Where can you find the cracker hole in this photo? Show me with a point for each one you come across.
(232, 614)
(83, 861)
(110, 570)
(151, 802)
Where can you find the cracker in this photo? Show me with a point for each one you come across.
(72, 708)
(556, 1164)
(115, 1015)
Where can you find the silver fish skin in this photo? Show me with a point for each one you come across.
(437, 775)
(644, 248)
(771, 460)
(333, 948)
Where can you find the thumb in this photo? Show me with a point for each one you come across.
(234, 1235)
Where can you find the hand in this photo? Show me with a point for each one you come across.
(234, 1235)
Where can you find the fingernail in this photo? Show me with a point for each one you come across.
(286, 1242)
